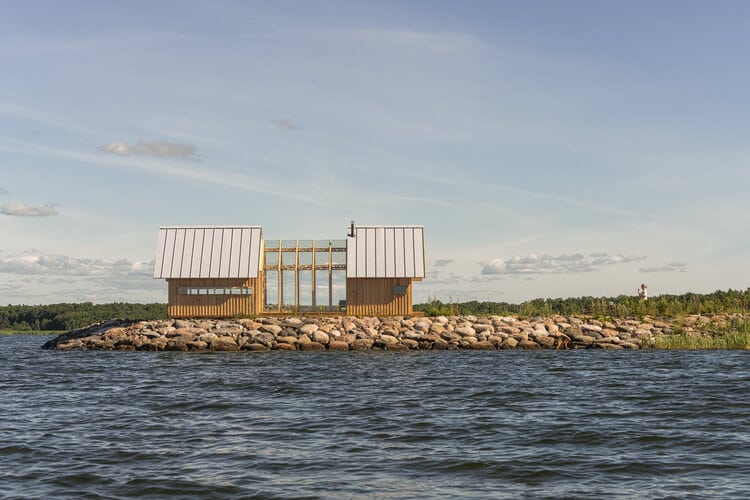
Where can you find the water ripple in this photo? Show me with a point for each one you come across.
(455, 424)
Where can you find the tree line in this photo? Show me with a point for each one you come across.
(730, 301)
(71, 316)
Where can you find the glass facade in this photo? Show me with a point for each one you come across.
(305, 275)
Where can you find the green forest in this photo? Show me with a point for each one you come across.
(70, 316)
(730, 301)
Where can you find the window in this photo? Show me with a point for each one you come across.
(237, 290)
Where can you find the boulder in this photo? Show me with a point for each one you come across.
(466, 331)
(335, 345)
(309, 329)
(528, 344)
(320, 337)
(272, 329)
(225, 344)
(254, 346)
(197, 345)
(312, 346)
(483, 345)
(388, 339)
(510, 343)
(410, 343)
(361, 344)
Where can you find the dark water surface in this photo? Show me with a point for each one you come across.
(577, 424)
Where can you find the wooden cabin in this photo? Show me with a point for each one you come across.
(381, 264)
(211, 271)
(230, 271)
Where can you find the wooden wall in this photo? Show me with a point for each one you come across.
(376, 297)
(214, 306)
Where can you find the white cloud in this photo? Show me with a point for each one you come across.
(547, 264)
(443, 262)
(72, 266)
(602, 259)
(285, 125)
(161, 149)
(672, 267)
(25, 210)
(495, 266)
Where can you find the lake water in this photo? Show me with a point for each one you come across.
(457, 424)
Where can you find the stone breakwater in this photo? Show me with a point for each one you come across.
(396, 333)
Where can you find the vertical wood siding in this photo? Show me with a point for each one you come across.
(214, 306)
(376, 297)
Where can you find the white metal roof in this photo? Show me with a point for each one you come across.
(386, 252)
(208, 252)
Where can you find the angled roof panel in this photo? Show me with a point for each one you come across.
(234, 255)
(386, 252)
(179, 249)
(205, 265)
(409, 251)
(166, 267)
(197, 255)
(208, 252)
(161, 246)
(390, 249)
(187, 252)
(215, 259)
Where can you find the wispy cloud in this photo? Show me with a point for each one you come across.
(547, 264)
(443, 262)
(25, 210)
(3, 191)
(72, 266)
(219, 175)
(430, 41)
(285, 125)
(161, 149)
(672, 267)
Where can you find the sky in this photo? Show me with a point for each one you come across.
(550, 149)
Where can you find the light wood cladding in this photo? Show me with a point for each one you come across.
(377, 297)
(214, 306)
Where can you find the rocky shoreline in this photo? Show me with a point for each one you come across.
(394, 333)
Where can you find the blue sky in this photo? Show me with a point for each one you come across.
(550, 149)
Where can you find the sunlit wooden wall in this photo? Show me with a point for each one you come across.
(214, 306)
(377, 297)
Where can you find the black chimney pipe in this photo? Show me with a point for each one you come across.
(351, 231)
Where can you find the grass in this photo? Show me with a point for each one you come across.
(736, 335)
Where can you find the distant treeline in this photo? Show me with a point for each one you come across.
(730, 301)
(71, 316)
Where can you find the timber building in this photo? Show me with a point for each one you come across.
(228, 271)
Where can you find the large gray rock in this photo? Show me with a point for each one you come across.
(388, 339)
(309, 329)
(466, 331)
(320, 337)
(361, 344)
(272, 329)
(312, 346)
(225, 344)
(336, 345)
